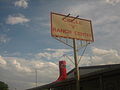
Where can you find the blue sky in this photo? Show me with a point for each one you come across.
(26, 43)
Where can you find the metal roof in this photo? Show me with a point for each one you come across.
(86, 71)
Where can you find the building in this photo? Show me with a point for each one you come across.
(103, 77)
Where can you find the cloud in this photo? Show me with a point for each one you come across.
(21, 3)
(113, 2)
(2, 61)
(98, 51)
(52, 53)
(4, 38)
(21, 72)
(16, 19)
(19, 67)
(102, 57)
(110, 57)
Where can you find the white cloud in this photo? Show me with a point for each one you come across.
(16, 19)
(21, 72)
(2, 61)
(21, 3)
(102, 57)
(56, 53)
(19, 67)
(112, 1)
(98, 51)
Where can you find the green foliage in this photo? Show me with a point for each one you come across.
(3, 86)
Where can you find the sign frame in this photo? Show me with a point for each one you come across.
(64, 16)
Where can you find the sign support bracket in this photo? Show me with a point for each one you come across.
(63, 42)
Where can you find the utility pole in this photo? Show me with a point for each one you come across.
(77, 76)
(36, 76)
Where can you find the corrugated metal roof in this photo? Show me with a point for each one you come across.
(92, 69)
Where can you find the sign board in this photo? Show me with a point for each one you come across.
(66, 27)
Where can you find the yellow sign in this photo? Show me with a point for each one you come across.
(69, 27)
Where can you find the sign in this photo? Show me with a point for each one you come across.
(69, 27)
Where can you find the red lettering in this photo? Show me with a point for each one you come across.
(68, 20)
(82, 34)
(61, 31)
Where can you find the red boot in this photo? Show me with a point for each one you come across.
(62, 68)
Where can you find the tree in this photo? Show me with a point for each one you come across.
(3, 86)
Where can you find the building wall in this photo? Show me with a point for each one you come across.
(103, 80)
(112, 82)
(97, 82)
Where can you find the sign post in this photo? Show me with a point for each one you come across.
(73, 28)
(77, 75)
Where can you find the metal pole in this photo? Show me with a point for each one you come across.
(77, 76)
(36, 76)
